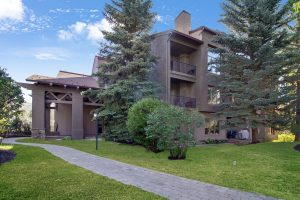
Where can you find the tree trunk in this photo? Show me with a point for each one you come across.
(254, 135)
(297, 134)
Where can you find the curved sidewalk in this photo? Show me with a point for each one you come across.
(165, 185)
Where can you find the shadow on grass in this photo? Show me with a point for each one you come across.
(6, 154)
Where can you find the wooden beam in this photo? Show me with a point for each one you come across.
(59, 101)
(92, 104)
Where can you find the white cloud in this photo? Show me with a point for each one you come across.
(11, 10)
(50, 53)
(64, 35)
(44, 53)
(94, 10)
(68, 10)
(48, 56)
(159, 18)
(91, 31)
(78, 27)
(16, 17)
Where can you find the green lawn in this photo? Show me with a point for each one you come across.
(37, 174)
(269, 168)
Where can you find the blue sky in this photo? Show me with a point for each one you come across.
(45, 36)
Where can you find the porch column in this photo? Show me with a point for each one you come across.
(77, 116)
(38, 114)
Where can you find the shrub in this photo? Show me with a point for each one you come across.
(173, 128)
(285, 138)
(67, 138)
(211, 141)
(137, 121)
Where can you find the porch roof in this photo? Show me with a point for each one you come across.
(68, 79)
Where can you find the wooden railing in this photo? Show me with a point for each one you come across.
(183, 67)
(186, 102)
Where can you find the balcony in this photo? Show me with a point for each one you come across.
(183, 68)
(185, 102)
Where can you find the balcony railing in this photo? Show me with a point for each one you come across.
(185, 102)
(183, 67)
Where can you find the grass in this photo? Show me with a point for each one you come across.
(37, 174)
(271, 169)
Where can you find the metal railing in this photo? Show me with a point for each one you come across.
(186, 102)
(183, 67)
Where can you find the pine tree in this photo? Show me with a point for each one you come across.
(251, 64)
(128, 64)
(295, 68)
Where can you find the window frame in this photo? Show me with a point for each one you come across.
(215, 127)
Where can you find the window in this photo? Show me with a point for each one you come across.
(214, 96)
(211, 126)
(212, 58)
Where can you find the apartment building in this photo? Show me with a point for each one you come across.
(182, 69)
(185, 74)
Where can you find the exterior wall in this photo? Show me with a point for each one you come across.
(160, 49)
(63, 119)
(89, 126)
(183, 22)
(178, 85)
(38, 113)
(70, 117)
(47, 119)
(77, 116)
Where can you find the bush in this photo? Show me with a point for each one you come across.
(173, 128)
(285, 138)
(211, 141)
(137, 121)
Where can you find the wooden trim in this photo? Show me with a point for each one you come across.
(59, 101)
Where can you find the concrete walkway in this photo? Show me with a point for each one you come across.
(165, 185)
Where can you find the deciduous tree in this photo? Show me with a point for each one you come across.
(11, 100)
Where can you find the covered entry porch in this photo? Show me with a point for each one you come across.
(59, 109)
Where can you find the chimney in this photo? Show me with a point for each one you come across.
(183, 22)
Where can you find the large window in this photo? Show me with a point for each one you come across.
(212, 67)
(211, 126)
(214, 96)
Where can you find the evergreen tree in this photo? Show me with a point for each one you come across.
(128, 64)
(11, 100)
(251, 64)
(295, 68)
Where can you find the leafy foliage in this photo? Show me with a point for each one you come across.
(137, 121)
(128, 64)
(173, 128)
(11, 100)
(252, 64)
(285, 138)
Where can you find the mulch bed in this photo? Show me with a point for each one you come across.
(297, 147)
(6, 156)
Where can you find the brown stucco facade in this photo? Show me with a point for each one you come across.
(185, 75)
